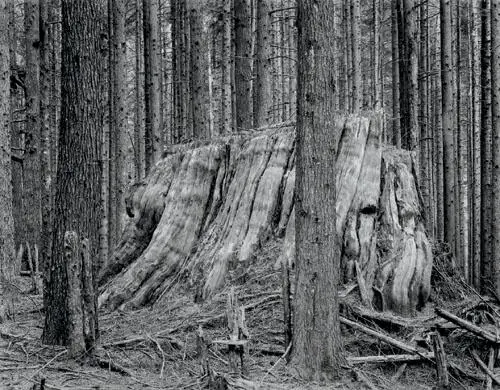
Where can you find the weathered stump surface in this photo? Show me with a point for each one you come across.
(206, 210)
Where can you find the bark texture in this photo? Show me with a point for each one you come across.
(78, 191)
(205, 210)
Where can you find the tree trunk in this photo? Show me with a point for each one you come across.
(357, 88)
(243, 64)
(262, 95)
(486, 150)
(151, 83)
(396, 122)
(32, 185)
(139, 146)
(377, 81)
(495, 134)
(476, 258)
(78, 174)
(448, 123)
(7, 250)
(200, 98)
(317, 348)
(117, 122)
(227, 67)
(410, 127)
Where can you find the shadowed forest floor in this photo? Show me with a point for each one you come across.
(156, 347)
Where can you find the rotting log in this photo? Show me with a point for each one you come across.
(207, 209)
(443, 382)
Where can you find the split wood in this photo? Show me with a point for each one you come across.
(442, 372)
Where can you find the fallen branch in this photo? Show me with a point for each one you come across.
(485, 368)
(382, 337)
(390, 358)
(115, 367)
(441, 365)
(478, 331)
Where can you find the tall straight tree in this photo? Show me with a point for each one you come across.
(396, 123)
(7, 252)
(78, 185)
(32, 184)
(317, 348)
(447, 123)
(152, 78)
(117, 130)
(200, 59)
(486, 151)
(495, 127)
(243, 63)
(262, 93)
(476, 258)
(356, 55)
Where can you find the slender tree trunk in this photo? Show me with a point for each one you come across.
(78, 187)
(199, 69)
(396, 121)
(476, 257)
(45, 74)
(448, 123)
(7, 250)
(317, 347)
(495, 126)
(486, 150)
(462, 229)
(263, 94)
(32, 188)
(243, 64)
(139, 146)
(227, 67)
(356, 55)
(152, 89)
(377, 82)
(117, 122)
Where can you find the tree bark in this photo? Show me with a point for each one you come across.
(396, 122)
(117, 122)
(495, 146)
(356, 55)
(32, 185)
(243, 64)
(200, 98)
(7, 250)
(262, 95)
(79, 172)
(317, 347)
(448, 122)
(486, 150)
(151, 83)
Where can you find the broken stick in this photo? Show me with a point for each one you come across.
(390, 358)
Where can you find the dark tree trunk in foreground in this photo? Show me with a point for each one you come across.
(77, 202)
(317, 347)
(7, 252)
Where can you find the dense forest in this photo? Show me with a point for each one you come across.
(249, 194)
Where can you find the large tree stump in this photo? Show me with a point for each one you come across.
(207, 209)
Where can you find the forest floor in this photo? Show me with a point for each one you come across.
(156, 347)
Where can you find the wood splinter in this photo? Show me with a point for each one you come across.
(238, 337)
